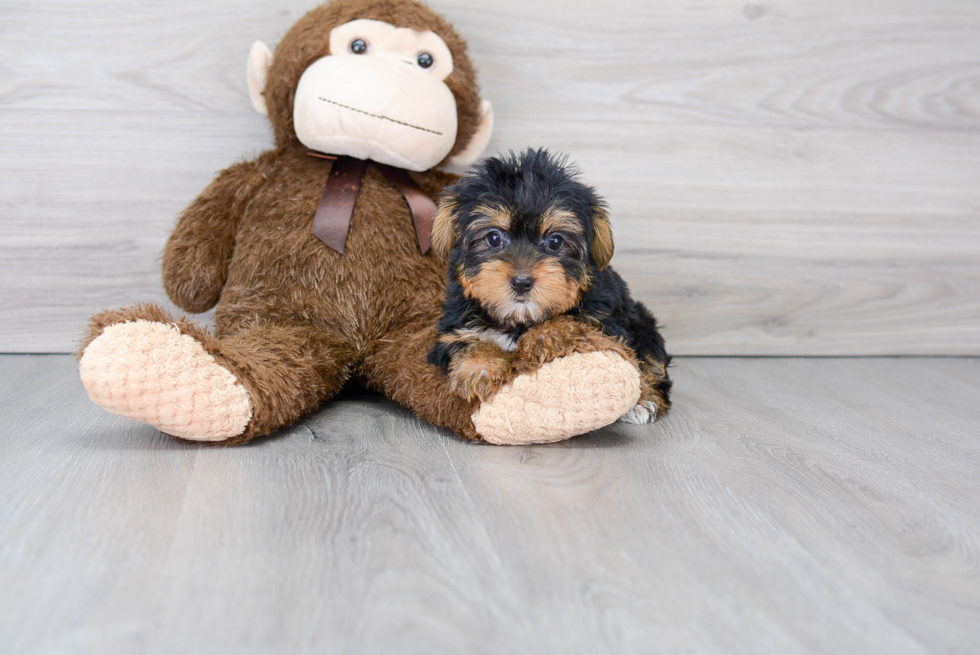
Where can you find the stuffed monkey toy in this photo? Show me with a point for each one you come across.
(316, 256)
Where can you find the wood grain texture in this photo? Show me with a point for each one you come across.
(784, 506)
(784, 178)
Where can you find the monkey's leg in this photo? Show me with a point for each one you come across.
(571, 381)
(397, 367)
(143, 364)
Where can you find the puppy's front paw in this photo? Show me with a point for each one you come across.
(479, 374)
(553, 339)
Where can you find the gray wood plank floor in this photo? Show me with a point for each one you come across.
(785, 506)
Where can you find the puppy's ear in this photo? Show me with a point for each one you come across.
(444, 225)
(601, 248)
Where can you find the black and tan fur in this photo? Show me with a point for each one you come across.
(529, 245)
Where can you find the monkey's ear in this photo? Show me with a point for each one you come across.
(479, 140)
(601, 248)
(259, 61)
(444, 225)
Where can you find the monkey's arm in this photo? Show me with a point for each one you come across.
(195, 260)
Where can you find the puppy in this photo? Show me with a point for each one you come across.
(528, 246)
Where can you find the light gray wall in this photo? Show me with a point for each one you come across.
(784, 177)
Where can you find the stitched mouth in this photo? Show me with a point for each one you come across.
(384, 118)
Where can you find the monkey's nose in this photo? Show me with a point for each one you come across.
(521, 283)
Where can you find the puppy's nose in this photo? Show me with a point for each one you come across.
(521, 283)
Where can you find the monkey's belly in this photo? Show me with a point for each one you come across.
(280, 271)
(377, 281)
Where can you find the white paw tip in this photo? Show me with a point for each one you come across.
(644, 412)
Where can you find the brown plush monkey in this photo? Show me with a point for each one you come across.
(307, 300)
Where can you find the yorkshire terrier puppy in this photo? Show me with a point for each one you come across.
(529, 246)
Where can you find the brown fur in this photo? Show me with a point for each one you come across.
(444, 228)
(482, 368)
(602, 241)
(490, 286)
(308, 40)
(559, 220)
(294, 319)
(653, 374)
(561, 336)
(491, 217)
(479, 371)
(553, 293)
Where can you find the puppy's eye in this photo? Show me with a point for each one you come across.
(358, 46)
(425, 60)
(495, 239)
(554, 243)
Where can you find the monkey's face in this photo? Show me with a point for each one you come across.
(380, 95)
(523, 268)
(388, 81)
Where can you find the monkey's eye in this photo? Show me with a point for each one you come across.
(554, 242)
(358, 46)
(425, 60)
(495, 239)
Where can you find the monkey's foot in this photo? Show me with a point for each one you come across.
(569, 396)
(152, 373)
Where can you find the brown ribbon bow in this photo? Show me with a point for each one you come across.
(333, 214)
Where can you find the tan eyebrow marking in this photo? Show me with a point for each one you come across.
(491, 216)
(559, 220)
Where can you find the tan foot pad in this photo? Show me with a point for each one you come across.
(150, 372)
(569, 396)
